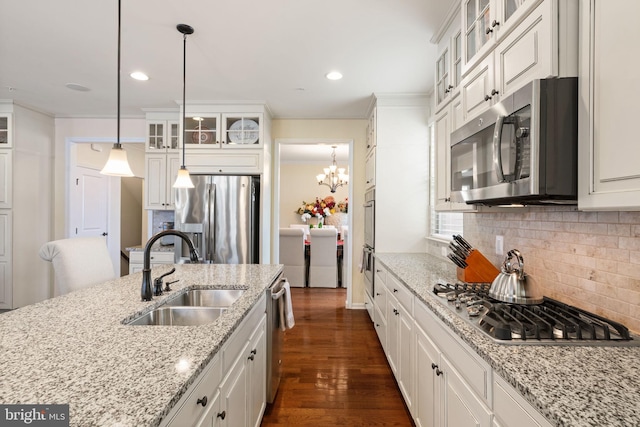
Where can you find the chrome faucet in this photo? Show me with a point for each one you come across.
(146, 270)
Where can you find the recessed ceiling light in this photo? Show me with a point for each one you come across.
(79, 88)
(334, 75)
(139, 75)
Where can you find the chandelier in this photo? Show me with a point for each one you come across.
(334, 176)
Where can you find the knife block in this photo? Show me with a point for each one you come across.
(478, 270)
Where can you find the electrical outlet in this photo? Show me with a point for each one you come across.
(443, 250)
(499, 245)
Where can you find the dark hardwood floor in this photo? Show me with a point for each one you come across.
(334, 370)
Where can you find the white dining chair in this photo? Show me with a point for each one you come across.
(78, 262)
(323, 263)
(305, 227)
(292, 256)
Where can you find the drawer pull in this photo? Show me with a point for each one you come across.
(395, 290)
(251, 357)
(254, 351)
(202, 401)
(221, 415)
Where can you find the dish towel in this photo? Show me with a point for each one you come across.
(286, 308)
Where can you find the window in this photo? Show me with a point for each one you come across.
(443, 224)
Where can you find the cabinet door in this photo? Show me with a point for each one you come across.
(156, 136)
(608, 154)
(393, 337)
(202, 132)
(527, 52)
(443, 83)
(370, 169)
(6, 283)
(257, 375)
(371, 130)
(155, 181)
(242, 131)
(442, 163)
(380, 323)
(213, 416)
(406, 349)
(6, 179)
(427, 394)
(173, 166)
(511, 409)
(479, 30)
(6, 133)
(461, 407)
(478, 90)
(234, 393)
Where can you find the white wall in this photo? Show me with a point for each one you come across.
(297, 184)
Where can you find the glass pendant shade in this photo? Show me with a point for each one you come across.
(117, 165)
(183, 180)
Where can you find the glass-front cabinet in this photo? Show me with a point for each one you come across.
(485, 22)
(162, 135)
(223, 131)
(5, 131)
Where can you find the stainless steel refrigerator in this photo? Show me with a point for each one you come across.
(220, 215)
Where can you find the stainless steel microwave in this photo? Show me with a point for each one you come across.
(524, 150)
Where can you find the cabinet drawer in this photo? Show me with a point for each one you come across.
(402, 294)
(380, 297)
(511, 409)
(380, 323)
(241, 336)
(191, 410)
(221, 162)
(474, 370)
(368, 304)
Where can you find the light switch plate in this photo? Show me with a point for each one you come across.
(499, 245)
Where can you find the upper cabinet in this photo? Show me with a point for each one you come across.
(609, 176)
(448, 71)
(508, 43)
(5, 131)
(209, 130)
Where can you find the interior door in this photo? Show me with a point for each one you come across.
(89, 203)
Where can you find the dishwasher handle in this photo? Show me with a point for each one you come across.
(279, 294)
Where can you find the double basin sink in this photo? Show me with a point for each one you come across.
(191, 308)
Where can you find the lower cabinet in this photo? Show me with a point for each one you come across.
(443, 381)
(231, 391)
(136, 259)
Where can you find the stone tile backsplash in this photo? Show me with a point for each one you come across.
(588, 259)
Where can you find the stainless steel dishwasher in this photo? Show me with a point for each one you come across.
(275, 335)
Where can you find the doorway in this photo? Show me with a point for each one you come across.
(314, 154)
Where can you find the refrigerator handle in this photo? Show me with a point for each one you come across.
(211, 240)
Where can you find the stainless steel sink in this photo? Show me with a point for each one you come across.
(179, 316)
(205, 298)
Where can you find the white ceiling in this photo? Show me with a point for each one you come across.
(275, 51)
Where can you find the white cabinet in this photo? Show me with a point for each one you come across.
(162, 136)
(542, 44)
(223, 130)
(231, 391)
(609, 173)
(400, 337)
(160, 174)
(6, 178)
(6, 132)
(136, 259)
(445, 123)
(457, 391)
(370, 169)
(448, 71)
(371, 130)
(6, 289)
(510, 409)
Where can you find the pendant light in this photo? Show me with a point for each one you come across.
(335, 176)
(117, 165)
(183, 180)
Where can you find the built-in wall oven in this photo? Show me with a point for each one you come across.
(369, 241)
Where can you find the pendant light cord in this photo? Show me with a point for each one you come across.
(118, 145)
(184, 97)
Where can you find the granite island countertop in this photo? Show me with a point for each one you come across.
(570, 385)
(76, 349)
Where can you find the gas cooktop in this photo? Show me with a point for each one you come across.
(549, 323)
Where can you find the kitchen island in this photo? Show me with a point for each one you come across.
(77, 349)
(570, 385)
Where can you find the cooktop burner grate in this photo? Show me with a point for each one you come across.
(551, 322)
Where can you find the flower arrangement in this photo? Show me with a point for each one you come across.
(321, 208)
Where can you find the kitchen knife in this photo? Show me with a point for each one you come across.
(458, 238)
(455, 260)
(458, 250)
(460, 262)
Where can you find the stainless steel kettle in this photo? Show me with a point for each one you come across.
(511, 284)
